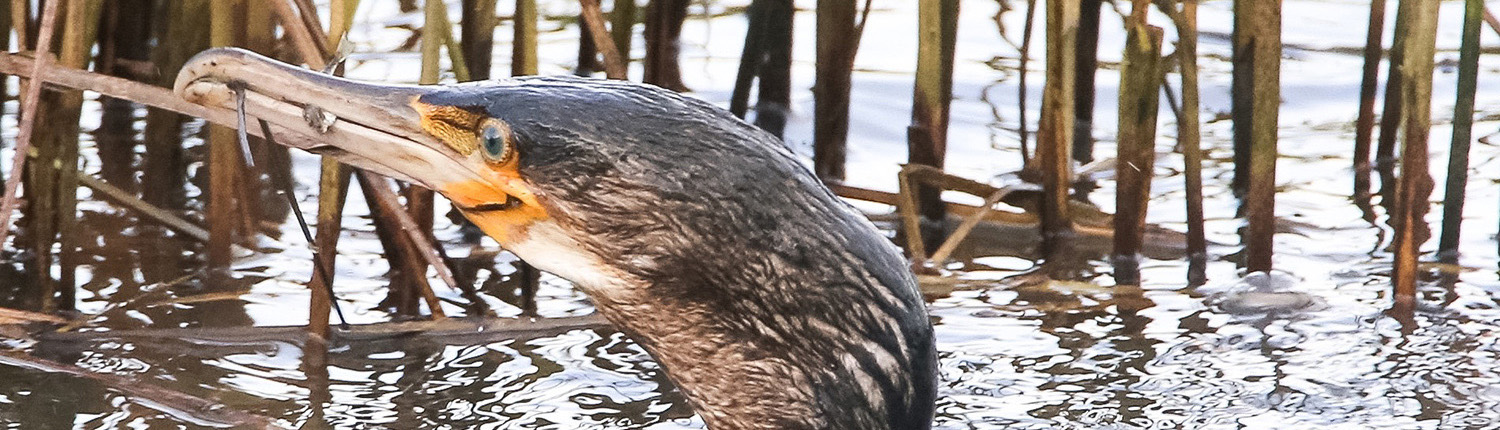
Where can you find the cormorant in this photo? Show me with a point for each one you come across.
(770, 302)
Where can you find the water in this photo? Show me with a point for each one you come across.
(1313, 346)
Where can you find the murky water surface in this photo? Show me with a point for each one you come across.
(1310, 347)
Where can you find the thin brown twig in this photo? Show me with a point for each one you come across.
(963, 230)
(145, 210)
(28, 116)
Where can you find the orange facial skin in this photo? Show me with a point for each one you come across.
(483, 201)
(507, 226)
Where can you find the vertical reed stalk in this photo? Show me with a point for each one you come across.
(664, 19)
(39, 180)
(477, 30)
(1088, 62)
(927, 136)
(76, 51)
(622, 27)
(831, 89)
(767, 57)
(1055, 128)
(1463, 133)
(1415, 182)
(1390, 118)
(1140, 83)
(1257, 68)
(588, 54)
(751, 57)
(523, 51)
(1364, 125)
(333, 191)
(1022, 126)
(419, 201)
(1189, 136)
(224, 158)
(340, 12)
(432, 41)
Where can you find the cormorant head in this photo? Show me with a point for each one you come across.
(766, 297)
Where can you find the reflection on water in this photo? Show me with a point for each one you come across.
(1312, 348)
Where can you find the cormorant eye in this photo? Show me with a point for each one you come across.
(494, 137)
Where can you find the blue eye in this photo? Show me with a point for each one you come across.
(494, 140)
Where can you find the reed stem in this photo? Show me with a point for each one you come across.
(1257, 72)
(1055, 128)
(1416, 181)
(1463, 133)
(1140, 85)
(831, 89)
(1364, 125)
(932, 95)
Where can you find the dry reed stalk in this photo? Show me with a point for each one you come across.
(224, 153)
(1023, 128)
(1140, 81)
(1416, 181)
(148, 211)
(1257, 66)
(523, 50)
(766, 58)
(932, 95)
(477, 30)
(79, 33)
(664, 19)
(622, 17)
(1364, 124)
(972, 220)
(1189, 135)
(1463, 133)
(835, 65)
(1055, 128)
(1390, 118)
(415, 238)
(1083, 87)
(30, 109)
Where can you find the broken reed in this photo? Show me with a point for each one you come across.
(1055, 127)
(1141, 76)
